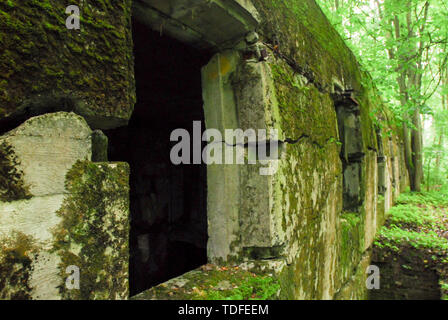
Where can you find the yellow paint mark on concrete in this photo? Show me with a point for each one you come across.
(224, 67)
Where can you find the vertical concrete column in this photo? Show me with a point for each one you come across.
(223, 180)
(261, 212)
(243, 209)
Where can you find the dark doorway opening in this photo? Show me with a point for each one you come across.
(168, 202)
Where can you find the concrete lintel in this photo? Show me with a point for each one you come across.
(205, 24)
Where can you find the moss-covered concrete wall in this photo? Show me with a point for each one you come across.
(298, 213)
(325, 248)
(43, 64)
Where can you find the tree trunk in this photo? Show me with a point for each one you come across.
(408, 152)
(444, 107)
(417, 148)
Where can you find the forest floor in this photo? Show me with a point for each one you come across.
(412, 248)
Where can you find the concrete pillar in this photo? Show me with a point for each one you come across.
(223, 180)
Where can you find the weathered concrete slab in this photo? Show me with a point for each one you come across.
(39, 154)
(35, 217)
(47, 147)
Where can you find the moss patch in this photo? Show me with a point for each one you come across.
(213, 282)
(94, 231)
(352, 241)
(41, 56)
(17, 253)
(12, 185)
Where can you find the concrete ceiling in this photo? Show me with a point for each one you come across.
(204, 24)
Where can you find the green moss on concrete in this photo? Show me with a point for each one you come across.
(306, 39)
(310, 166)
(17, 253)
(12, 185)
(303, 33)
(303, 109)
(309, 57)
(213, 282)
(94, 230)
(354, 288)
(351, 243)
(304, 277)
(380, 211)
(43, 57)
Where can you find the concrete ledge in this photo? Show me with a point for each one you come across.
(213, 282)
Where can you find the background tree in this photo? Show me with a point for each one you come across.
(402, 43)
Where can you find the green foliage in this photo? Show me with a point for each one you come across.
(369, 30)
(409, 214)
(416, 221)
(434, 198)
(436, 151)
(444, 289)
(403, 45)
(415, 236)
(393, 236)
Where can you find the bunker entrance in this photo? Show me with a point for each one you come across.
(168, 202)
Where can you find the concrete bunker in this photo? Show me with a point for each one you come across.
(287, 221)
